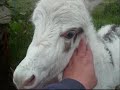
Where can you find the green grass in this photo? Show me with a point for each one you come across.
(107, 13)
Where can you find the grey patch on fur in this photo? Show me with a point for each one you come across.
(110, 36)
(111, 58)
(79, 31)
(67, 46)
(109, 52)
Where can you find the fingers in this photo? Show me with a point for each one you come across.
(89, 51)
(75, 52)
(82, 47)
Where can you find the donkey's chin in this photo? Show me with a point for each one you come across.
(38, 85)
(44, 83)
(35, 85)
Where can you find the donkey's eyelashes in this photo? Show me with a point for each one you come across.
(80, 30)
(71, 33)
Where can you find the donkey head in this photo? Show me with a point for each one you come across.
(59, 25)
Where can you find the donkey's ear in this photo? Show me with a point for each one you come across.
(91, 4)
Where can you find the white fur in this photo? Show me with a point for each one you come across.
(46, 58)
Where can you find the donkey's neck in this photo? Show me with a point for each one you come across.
(96, 44)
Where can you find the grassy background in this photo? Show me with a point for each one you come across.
(21, 29)
(107, 13)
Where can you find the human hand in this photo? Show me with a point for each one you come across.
(81, 67)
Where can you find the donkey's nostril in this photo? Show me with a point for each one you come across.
(30, 81)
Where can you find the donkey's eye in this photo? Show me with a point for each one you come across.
(70, 34)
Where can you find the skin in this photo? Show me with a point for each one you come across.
(81, 67)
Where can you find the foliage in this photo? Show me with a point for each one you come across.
(107, 13)
(21, 30)
(20, 37)
(22, 6)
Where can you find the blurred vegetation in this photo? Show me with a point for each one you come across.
(21, 29)
(107, 13)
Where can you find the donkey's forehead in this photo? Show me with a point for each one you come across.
(57, 4)
(65, 12)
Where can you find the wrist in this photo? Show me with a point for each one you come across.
(73, 84)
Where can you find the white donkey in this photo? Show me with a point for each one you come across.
(59, 26)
